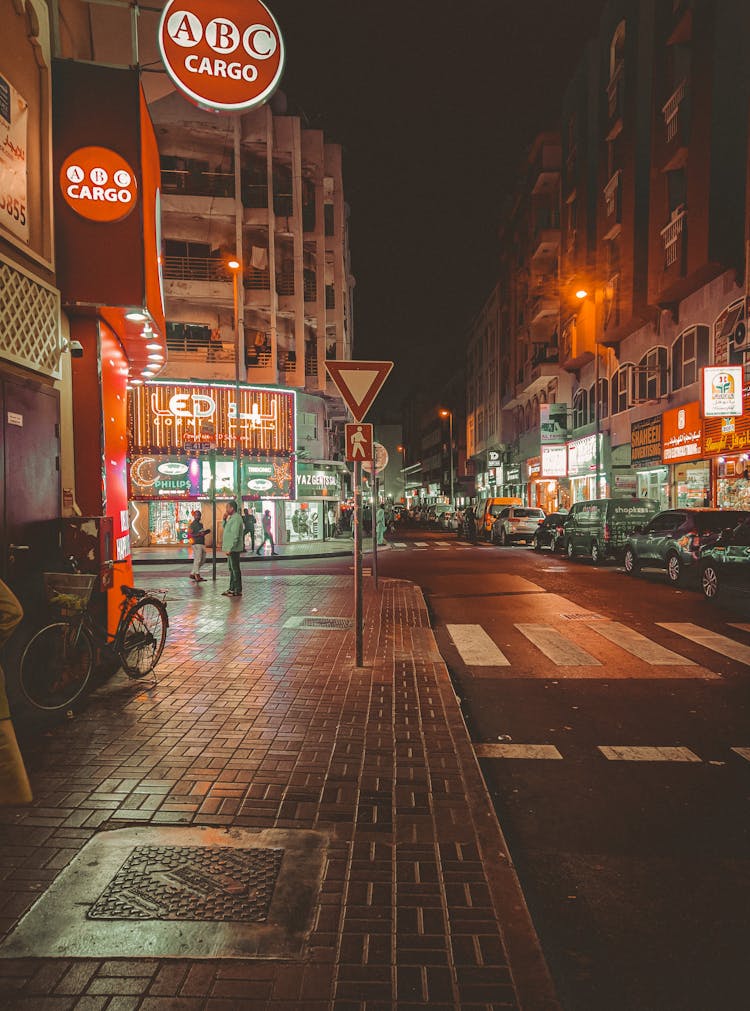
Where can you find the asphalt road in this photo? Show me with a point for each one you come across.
(635, 863)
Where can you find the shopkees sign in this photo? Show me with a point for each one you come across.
(224, 55)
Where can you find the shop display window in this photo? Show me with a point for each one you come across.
(692, 483)
(733, 483)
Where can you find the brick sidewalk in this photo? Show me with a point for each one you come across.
(255, 726)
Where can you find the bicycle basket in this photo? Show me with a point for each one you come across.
(68, 593)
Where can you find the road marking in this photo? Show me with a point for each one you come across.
(445, 544)
(638, 645)
(711, 640)
(741, 625)
(743, 753)
(639, 754)
(558, 649)
(397, 544)
(548, 751)
(420, 544)
(475, 646)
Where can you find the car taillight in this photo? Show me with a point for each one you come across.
(514, 519)
(540, 521)
(606, 532)
(694, 540)
(560, 530)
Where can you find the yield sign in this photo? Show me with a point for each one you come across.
(359, 383)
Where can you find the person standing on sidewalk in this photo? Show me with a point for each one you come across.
(232, 542)
(248, 525)
(198, 537)
(267, 535)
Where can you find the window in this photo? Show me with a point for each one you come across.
(580, 409)
(689, 355)
(621, 393)
(328, 218)
(651, 378)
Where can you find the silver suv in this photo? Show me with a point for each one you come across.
(516, 523)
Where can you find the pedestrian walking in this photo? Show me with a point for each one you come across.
(470, 523)
(232, 543)
(248, 525)
(380, 525)
(14, 783)
(331, 521)
(267, 534)
(197, 535)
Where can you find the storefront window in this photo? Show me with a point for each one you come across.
(304, 521)
(692, 483)
(733, 483)
(654, 484)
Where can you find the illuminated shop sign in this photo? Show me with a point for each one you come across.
(728, 434)
(682, 434)
(164, 477)
(555, 461)
(553, 423)
(317, 483)
(722, 391)
(582, 455)
(172, 418)
(645, 441)
(263, 479)
(224, 55)
(534, 467)
(513, 473)
(98, 184)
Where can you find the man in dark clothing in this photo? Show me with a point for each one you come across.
(267, 533)
(198, 537)
(248, 524)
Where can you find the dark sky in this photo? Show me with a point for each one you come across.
(434, 104)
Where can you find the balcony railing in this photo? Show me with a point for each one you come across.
(200, 183)
(612, 195)
(258, 350)
(255, 195)
(257, 280)
(195, 268)
(311, 286)
(671, 110)
(285, 284)
(615, 91)
(311, 365)
(330, 297)
(671, 237)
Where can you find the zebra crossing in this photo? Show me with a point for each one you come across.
(611, 753)
(564, 648)
(435, 545)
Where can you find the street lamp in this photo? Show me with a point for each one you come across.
(445, 413)
(601, 293)
(402, 451)
(236, 267)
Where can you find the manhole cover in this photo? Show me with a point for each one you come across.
(191, 883)
(583, 616)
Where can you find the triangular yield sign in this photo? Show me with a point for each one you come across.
(358, 383)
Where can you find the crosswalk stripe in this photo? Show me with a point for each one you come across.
(643, 754)
(743, 753)
(476, 648)
(558, 649)
(711, 640)
(420, 544)
(445, 544)
(638, 645)
(548, 751)
(741, 625)
(397, 544)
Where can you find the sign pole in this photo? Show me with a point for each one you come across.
(358, 621)
(212, 464)
(374, 525)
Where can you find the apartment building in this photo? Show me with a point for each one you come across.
(650, 282)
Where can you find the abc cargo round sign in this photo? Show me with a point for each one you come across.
(98, 184)
(224, 55)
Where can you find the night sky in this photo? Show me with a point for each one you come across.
(434, 104)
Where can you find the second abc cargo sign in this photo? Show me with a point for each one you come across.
(224, 55)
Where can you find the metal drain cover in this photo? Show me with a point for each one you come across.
(191, 883)
(318, 621)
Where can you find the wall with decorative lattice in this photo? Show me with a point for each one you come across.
(29, 321)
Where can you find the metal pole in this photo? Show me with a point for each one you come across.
(374, 525)
(597, 416)
(450, 435)
(358, 562)
(212, 465)
(239, 324)
(238, 447)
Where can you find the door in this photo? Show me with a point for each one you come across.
(30, 497)
(651, 543)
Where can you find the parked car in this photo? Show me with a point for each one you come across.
(487, 510)
(516, 523)
(725, 563)
(672, 539)
(599, 528)
(551, 533)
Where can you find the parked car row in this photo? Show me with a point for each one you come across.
(712, 543)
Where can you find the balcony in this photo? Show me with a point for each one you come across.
(197, 182)
(671, 111)
(674, 237)
(285, 283)
(311, 286)
(195, 268)
(257, 280)
(546, 235)
(258, 350)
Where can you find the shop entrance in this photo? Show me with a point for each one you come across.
(29, 468)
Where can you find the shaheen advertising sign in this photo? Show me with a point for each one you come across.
(175, 418)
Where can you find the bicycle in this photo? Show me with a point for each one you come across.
(57, 662)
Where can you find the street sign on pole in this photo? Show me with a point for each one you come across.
(360, 443)
(358, 383)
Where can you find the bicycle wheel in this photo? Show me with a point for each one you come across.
(143, 636)
(56, 665)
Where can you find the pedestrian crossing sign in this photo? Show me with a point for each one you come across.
(360, 442)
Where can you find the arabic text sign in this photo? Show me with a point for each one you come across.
(722, 391)
(14, 118)
(682, 433)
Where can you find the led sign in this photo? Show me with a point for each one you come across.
(224, 55)
(98, 184)
(722, 391)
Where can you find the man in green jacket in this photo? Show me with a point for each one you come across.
(233, 541)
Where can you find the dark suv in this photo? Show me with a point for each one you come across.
(726, 562)
(673, 539)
